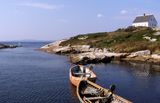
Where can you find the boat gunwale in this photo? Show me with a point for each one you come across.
(119, 98)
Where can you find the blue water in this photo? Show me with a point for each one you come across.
(31, 76)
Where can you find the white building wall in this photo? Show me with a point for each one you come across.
(141, 24)
(152, 22)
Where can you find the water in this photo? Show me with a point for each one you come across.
(31, 76)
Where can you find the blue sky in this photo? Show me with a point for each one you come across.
(58, 19)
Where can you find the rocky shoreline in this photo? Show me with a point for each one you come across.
(3, 46)
(85, 54)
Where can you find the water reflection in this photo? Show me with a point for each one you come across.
(134, 81)
(73, 92)
(141, 69)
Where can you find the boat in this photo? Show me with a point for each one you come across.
(89, 92)
(78, 72)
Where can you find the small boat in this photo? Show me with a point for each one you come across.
(78, 72)
(89, 92)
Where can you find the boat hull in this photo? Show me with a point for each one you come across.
(87, 93)
(75, 80)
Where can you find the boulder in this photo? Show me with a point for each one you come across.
(95, 57)
(157, 33)
(55, 44)
(105, 50)
(61, 50)
(83, 38)
(140, 53)
(153, 39)
(155, 56)
(81, 48)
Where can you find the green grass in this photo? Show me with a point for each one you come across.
(122, 40)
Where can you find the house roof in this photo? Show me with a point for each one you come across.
(144, 18)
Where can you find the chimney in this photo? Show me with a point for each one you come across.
(144, 14)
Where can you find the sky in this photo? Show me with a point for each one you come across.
(60, 19)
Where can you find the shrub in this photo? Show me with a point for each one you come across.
(130, 29)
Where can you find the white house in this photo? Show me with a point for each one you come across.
(145, 20)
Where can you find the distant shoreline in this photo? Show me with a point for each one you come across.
(4, 46)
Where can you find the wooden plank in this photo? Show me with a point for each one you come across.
(95, 98)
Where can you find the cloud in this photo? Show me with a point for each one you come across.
(123, 11)
(99, 15)
(42, 6)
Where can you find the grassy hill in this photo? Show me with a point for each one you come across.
(122, 40)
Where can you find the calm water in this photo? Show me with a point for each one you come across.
(31, 76)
